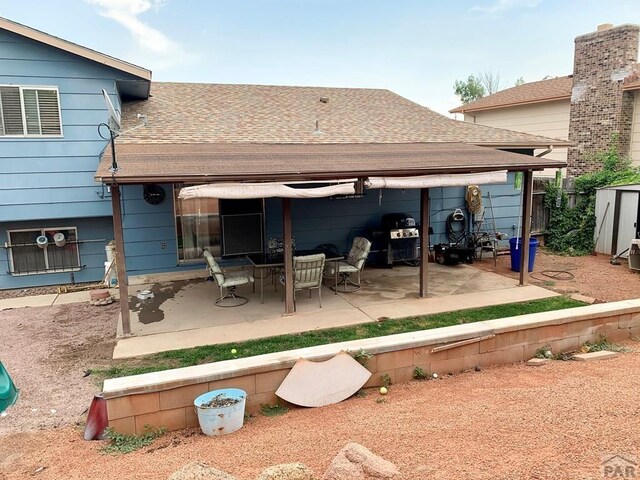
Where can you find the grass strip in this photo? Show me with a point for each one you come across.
(216, 353)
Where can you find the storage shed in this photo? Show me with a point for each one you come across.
(617, 218)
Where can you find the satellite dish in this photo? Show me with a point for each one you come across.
(114, 116)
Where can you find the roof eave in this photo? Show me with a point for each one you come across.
(461, 109)
(526, 145)
(296, 176)
(74, 48)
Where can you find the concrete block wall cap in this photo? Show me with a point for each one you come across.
(180, 377)
(558, 317)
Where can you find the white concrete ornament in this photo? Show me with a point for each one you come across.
(316, 384)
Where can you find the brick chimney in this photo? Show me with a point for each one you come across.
(600, 110)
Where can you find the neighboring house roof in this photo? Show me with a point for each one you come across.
(76, 49)
(214, 113)
(558, 88)
(208, 162)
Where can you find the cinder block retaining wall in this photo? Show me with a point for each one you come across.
(166, 398)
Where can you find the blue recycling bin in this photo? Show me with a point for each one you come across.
(515, 252)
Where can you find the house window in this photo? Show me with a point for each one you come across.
(29, 111)
(197, 226)
(28, 257)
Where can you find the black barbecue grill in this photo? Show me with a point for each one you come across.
(402, 238)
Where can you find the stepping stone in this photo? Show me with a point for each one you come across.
(583, 298)
(536, 362)
(592, 356)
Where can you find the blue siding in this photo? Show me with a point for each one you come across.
(315, 221)
(52, 178)
(147, 229)
(322, 220)
(94, 232)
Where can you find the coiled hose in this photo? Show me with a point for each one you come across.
(456, 229)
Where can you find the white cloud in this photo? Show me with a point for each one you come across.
(155, 47)
(500, 6)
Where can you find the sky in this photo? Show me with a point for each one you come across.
(416, 48)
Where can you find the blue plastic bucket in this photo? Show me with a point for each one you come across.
(515, 246)
(221, 420)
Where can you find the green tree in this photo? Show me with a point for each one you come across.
(469, 90)
(520, 81)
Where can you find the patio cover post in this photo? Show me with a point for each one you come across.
(424, 241)
(527, 194)
(288, 256)
(120, 259)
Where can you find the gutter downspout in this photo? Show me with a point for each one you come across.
(547, 151)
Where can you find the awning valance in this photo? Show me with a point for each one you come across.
(442, 180)
(262, 190)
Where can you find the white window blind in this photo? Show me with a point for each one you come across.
(29, 111)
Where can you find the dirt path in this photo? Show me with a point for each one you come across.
(550, 422)
(46, 351)
(594, 276)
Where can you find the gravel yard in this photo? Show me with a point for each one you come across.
(554, 421)
(551, 422)
(594, 276)
(46, 351)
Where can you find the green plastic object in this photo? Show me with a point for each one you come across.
(8, 391)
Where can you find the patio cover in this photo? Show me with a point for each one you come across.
(218, 162)
(430, 181)
(262, 190)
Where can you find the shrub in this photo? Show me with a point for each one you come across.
(570, 230)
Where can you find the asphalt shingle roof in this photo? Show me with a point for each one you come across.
(532, 92)
(215, 113)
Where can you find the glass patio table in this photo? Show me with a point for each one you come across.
(274, 260)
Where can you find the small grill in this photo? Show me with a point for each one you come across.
(402, 236)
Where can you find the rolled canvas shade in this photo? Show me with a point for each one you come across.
(444, 180)
(262, 190)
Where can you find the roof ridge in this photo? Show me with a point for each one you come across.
(156, 82)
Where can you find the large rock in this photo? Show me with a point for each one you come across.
(288, 471)
(200, 471)
(355, 462)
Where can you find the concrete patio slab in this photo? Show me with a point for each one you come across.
(183, 313)
(238, 332)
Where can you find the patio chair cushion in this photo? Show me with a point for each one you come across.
(307, 271)
(233, 279)
(359, 252)
(228, 279)
(343, 267)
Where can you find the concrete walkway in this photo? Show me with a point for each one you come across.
(48, 300)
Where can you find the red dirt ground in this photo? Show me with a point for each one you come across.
(594, 276)
(551, 422)
(504, 422)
